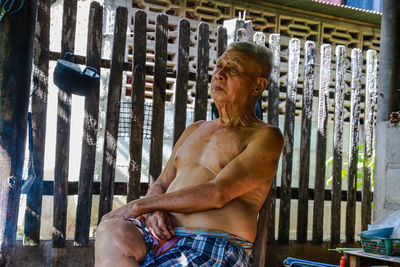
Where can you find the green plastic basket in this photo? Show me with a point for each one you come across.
(380, 245)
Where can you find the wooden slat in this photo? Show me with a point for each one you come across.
(90, 125)
(200, 107)
(16, 52)
(160, 74)
(287, 156)
(306, 117)
(112, 118)
(356, 63)
(273, 119)
(138, 88)
(369, 122)
(121, 189)
(39, 111)
(338, 144)
(63, 132)
(319, 186)
(264, 224)
(182, 76)
(222, 39)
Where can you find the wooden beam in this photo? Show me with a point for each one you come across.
(138, 95)
(39, 112)
(112, 119)
(16, 51)
(63, 132)
(305, 142)
(90, 125)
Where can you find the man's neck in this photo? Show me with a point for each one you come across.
(233, 116)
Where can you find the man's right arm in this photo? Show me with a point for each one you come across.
(160, 222)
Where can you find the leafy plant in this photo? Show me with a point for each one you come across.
(360, 167)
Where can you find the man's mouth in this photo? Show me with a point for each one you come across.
(217, 88)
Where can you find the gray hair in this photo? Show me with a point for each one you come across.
(262, 55)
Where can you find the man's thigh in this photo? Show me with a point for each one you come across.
(120, 237)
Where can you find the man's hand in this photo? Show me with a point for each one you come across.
(126, 211)
(160, 224)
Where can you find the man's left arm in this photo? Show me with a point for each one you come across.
(255, 166)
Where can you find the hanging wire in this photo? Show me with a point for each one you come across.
(8, 7)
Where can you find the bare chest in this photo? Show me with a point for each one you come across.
(212, 149)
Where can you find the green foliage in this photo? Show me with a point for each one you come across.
(369, 163)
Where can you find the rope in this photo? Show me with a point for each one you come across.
(7, 7)
(32, 174)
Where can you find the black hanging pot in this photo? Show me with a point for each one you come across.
(69, 77)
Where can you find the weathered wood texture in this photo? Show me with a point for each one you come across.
(200, 107)
(319, 186)
(222, 39)
(338, 144)
(182, 76)
(39, 111)
(113, 106)
(90, 125)
(356, 63)
(160, 74)
(263, 223)
(304, 163)
(137, 120)
(120, 188)
(369, 125)
(63, 132)
(287, 156)
(16, 43)
(273, 119)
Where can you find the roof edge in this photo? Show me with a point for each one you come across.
(325, 9)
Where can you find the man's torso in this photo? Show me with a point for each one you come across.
(202, 155)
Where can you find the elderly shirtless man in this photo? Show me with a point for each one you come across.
(202, 210)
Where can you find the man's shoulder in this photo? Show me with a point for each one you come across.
(263, 129)
(267, 134)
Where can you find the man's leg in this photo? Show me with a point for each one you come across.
(119, 243)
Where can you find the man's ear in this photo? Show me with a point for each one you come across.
(262, 84)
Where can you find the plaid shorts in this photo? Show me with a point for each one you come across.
(194, 249)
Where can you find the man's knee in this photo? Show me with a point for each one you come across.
(121, 237)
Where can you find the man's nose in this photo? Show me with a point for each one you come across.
(220, 74)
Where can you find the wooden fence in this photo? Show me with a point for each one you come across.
(107, 188)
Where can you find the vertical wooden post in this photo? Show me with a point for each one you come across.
(266, 216)
(200, 107)
(222, 37)
(138, 88)
(369, 125)
(39, 111)
(90, 124)
(182, 77)
(63, 132)
(112, 115)
(160, 75)
(287, 157)
(273, 119)
(16, 43)
(304, 163)
(319, 187)
(356, 63)
(338, 144)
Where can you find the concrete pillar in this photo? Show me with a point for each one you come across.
(387, 159)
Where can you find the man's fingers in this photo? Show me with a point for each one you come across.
(164, 229)
(171, 229)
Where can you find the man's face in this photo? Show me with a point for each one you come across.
(234, 78)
